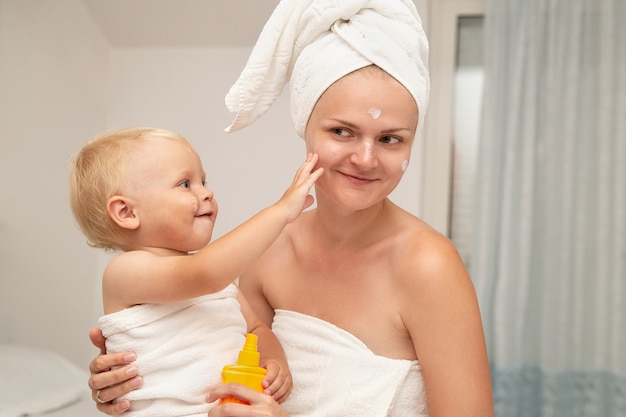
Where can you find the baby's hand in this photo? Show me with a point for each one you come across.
(297, 197)
(277, 382)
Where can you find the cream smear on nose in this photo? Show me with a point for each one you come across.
(368, 149)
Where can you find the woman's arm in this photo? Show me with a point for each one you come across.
(439, 307)
(105, 384)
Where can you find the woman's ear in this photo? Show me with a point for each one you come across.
(121, 210)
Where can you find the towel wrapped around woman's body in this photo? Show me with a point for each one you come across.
(337, 375)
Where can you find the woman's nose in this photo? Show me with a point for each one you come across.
(364, 155)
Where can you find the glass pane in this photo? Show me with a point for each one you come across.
(468, 85)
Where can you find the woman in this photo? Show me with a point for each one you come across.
(375, 310)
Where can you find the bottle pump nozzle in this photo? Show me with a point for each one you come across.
(249, 355)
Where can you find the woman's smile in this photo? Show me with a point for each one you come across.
(357, 179)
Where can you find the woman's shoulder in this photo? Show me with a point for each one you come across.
(422, 251)
(414, 231)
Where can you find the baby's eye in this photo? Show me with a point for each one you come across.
(390, 140)
(185, 184)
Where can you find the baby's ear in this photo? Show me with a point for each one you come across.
(121, 210)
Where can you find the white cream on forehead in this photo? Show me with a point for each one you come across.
(374, 112)
(405, 164)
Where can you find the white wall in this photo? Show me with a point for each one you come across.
(53, 80)
(60, 84)
(183, 90)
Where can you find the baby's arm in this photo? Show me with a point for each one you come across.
(229, 256)
(161, 279)
(277, 382)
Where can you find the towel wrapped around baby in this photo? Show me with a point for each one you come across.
(181, 348)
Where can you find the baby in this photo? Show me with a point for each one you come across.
(169, 295)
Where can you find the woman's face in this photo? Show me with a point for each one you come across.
(363, 128)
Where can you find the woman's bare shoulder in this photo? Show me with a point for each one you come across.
(424, 253)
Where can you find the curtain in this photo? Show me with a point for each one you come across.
(550, 228)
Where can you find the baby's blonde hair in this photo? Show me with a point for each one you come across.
(97, 172)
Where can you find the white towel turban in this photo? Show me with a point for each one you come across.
(314, 43)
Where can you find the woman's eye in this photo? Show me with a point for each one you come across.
(390, 140)
(341, 132)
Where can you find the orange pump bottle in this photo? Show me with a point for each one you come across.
(247, 370)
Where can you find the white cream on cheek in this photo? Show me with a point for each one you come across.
(194, 203)
(405, 164)
(374, 112)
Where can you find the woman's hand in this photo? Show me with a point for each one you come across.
(106, 385)
(261, 405)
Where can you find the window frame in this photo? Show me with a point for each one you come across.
(439, 123)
